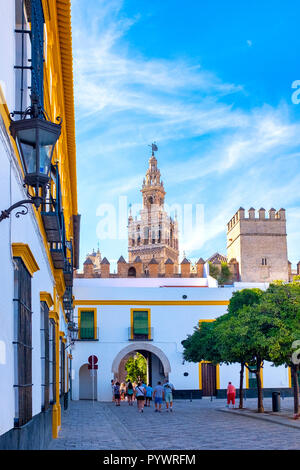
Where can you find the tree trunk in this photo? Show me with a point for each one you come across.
(241, 404)
(295, 369)
(260, 406)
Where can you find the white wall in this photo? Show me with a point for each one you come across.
(23, 230)
(171, 324)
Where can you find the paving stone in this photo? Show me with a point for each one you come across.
(193, 425)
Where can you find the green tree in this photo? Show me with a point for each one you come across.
(283, 304)
(136, 368)
(201, 345)
(213, 270)
(228, 339)
(219, 341)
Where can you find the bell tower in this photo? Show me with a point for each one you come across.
(155, 233)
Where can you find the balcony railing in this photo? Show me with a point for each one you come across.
(135, 336)
(88, 334)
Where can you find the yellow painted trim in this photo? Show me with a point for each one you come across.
(200, 376)
(22, 250)
(290, 377)
(4, 112)
(46, 297)
(247, 378)
(54, 316)
(218, 376)
(95, 319)
(59, 281)
(151, 302)
(149, 320)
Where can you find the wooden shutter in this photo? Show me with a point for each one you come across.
(140, 322)
(87, 325)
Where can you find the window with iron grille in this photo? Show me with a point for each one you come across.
(140, 324)
(45, 355)
(62, 368)
(29, 52)
(52, 362)
(22, 343)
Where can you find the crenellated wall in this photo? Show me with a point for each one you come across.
(259, 244)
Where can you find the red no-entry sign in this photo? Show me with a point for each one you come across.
(92, 360)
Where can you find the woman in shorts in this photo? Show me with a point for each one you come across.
(129, 393)
(140, 393)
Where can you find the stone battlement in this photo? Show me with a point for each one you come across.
(261, 216)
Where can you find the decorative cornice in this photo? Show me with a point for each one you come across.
(60, 282)
(22, 250)
(46, 297)
(54, 316)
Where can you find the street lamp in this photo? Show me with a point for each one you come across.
(73, 329)
(35, 136)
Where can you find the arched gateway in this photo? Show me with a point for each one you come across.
(141, 346)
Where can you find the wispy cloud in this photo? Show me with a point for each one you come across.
(232, 156)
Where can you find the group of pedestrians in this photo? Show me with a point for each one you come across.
(143, 394)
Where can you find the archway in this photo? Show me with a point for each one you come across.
(131, 272)
(87, 383)
(158, 364)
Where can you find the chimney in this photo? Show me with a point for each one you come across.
(185, 268)
(153, 268)
(105, 267)
(169, 268)
(200, 267)
(262, 213)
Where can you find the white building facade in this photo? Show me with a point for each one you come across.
(34, 336)
(172, 308)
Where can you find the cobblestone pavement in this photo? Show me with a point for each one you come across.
(193, 425)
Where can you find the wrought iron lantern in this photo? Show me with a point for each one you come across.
(36, 137)
(73, 329)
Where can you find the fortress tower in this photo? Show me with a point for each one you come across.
(155, 233)
(259, 245)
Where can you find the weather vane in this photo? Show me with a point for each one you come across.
(154, 147)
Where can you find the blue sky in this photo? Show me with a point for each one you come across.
(211, 83)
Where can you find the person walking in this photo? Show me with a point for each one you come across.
(122, 391)
(168, 389)
(149, 391)
(112, 383)
(129, 392)
(140, 393)
(134, 384)
(231, 395)
(158, 396)
(117, 393)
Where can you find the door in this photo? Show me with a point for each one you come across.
(209, 381)
(87, 383)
